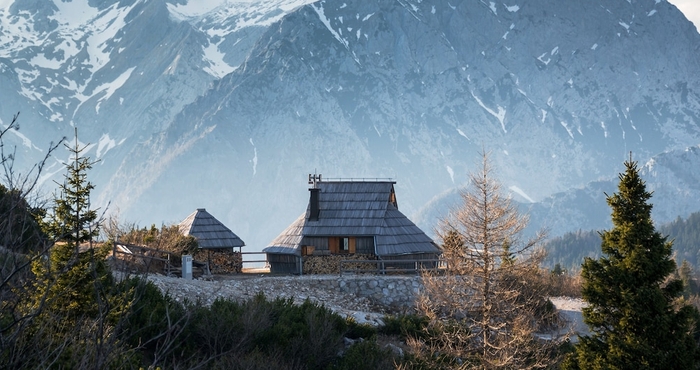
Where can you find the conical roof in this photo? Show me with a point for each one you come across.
(210, 232)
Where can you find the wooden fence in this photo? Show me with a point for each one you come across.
(392, 266)
(147, 256)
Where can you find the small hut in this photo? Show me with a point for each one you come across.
(217, 239)
(347, 218)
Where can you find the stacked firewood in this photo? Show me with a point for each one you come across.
(319, 265)
(222, 262)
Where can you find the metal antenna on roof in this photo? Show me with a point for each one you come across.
(314, 179)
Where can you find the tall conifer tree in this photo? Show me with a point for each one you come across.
(631, 312)
(73, 222)
(70, 281)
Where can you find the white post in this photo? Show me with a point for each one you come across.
(187, 267)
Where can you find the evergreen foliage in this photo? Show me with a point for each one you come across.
(71, 281)
(72, 220)
(685, 234)
(631, 311)
(19, 230)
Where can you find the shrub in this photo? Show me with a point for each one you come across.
(152, 316)
(405, 326)
(356, 330)
(366, 355)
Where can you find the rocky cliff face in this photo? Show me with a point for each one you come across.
(559, 92)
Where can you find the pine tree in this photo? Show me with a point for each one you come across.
(69, 281)
(631, 311)
(73, 222)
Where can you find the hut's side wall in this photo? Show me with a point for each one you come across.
(321, 245)
(365, 245)
(283, 263)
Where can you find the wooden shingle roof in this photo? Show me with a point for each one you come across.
(210, 232)
(356, 208)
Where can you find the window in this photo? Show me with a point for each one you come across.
(342, 245)
(307, 250)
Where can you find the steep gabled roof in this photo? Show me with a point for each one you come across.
(289, 240)
(350, 208)
(356, 208)
(210, 232)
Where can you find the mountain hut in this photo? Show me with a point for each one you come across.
(217, 239)
(347, 218)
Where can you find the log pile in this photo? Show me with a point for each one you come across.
(222, 262)
(319, 265)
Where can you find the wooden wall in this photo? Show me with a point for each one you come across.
(283, 263)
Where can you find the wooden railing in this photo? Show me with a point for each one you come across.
(267, 264)
(391, 266)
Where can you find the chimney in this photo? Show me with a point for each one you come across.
(314, 210)
(313, 199)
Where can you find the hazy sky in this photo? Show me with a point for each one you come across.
(691, 9)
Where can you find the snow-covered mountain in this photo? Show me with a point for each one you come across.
(119, 70)
(229, 105)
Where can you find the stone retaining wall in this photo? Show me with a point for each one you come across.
(370, 293)
(397, 292)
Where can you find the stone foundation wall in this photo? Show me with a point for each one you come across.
(392, 293)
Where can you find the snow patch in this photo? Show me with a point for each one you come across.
(110, 88)
(25, 140)
(104, 145)
(368, 16)
(462, 134)
(451, 172)
(40, 60)
(217, 66)
(627, 26)
(544, 115)
(326, 22)
(652, 12)
(595, 46)
(512, 8)
(520, 192)
(500, 115)
(493, 7)
(566, 126)
(255, 157)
